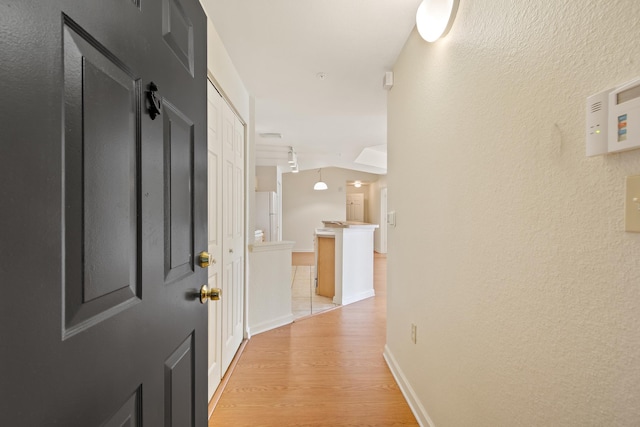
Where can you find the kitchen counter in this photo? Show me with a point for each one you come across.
(344, 249)
(349, 224)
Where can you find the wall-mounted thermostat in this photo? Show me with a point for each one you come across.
(624, 117)
(613, 119)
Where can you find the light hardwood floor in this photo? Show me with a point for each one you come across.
(324, 370)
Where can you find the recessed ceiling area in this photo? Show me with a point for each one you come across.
(315, 69)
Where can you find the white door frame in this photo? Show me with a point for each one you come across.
(383, 221)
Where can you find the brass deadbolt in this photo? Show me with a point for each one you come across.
(205, 259)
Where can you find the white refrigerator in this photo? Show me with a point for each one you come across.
(267, 218)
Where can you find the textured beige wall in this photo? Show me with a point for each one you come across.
(266, 178)
(510, 254)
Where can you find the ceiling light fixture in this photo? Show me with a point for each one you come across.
(320, 185)
(293, 160)
(435, 18)
(357, 184)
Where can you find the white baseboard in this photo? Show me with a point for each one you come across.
(414, 403)
(271, 324)
(355, 297)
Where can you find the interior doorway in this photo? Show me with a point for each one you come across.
(355, 207)
(382, 244)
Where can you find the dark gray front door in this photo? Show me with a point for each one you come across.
(102, 213)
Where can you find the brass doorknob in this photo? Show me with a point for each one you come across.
(212, 294)
(205, 259)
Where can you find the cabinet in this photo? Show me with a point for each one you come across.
(326, 266)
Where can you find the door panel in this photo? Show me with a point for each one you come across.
(101, 111)
(96, 336)
(178, 197)
(129, 414)
(177, 31)
(179, 380)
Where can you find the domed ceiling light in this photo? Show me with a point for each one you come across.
(435, 18)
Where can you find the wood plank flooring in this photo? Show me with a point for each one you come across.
(324, 370)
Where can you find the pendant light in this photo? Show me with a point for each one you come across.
(320, 185)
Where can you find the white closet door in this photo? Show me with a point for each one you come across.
(233, 142)
(214, 156)
(355, 207)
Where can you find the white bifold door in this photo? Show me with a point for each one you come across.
(226, 142)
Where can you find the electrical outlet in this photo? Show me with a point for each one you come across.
(414, 333)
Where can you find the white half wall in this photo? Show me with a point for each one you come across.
(510, 255)
(270, 287)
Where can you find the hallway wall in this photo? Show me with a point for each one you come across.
(511, 256)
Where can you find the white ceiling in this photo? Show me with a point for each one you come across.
(280, 46)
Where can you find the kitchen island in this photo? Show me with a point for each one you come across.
(351, 261)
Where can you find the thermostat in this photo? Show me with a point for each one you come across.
(613, 119)
(624, 117)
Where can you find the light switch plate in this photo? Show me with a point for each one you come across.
(632, 204)
(391, 218)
